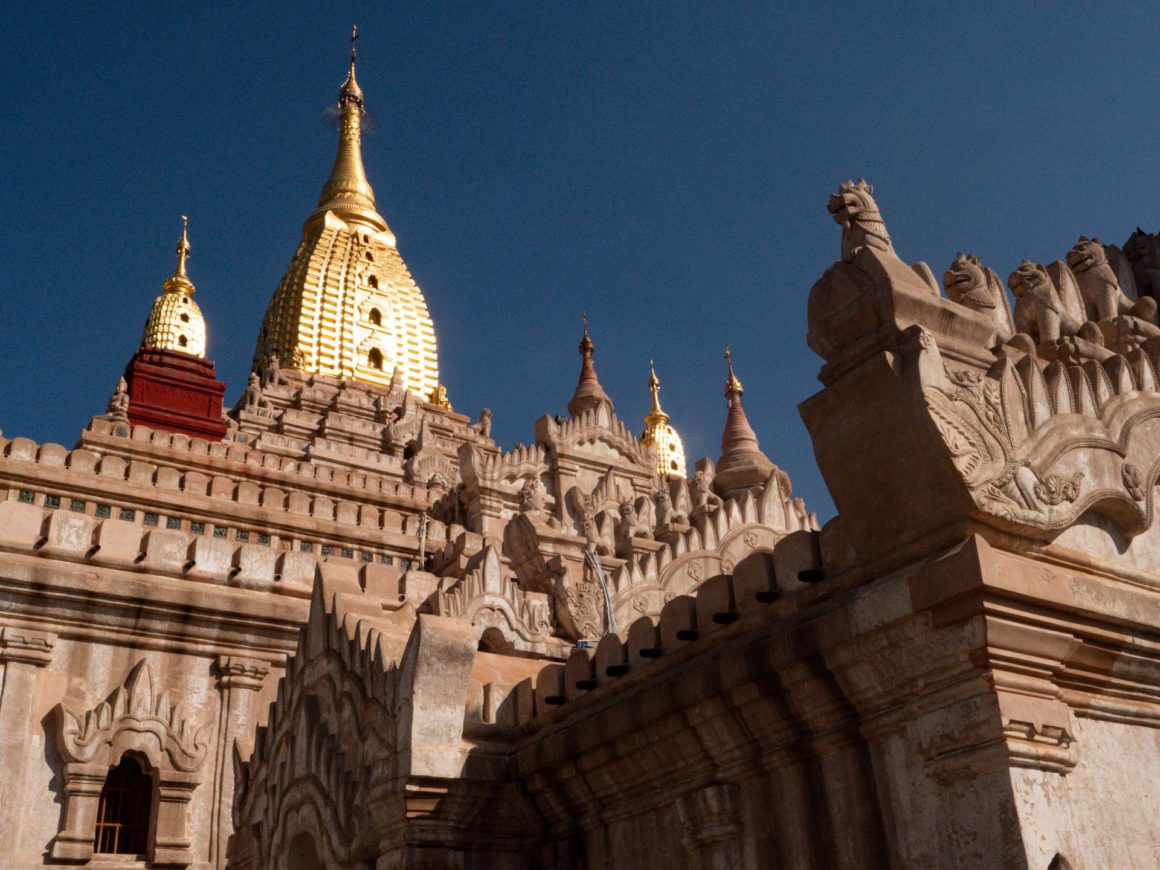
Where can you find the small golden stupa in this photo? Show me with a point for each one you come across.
(175, 321)
(658, 431)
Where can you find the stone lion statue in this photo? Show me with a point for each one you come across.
(1038, 309)
(971, 285)
(855, 210)
(1142, 251)
(1100, 288)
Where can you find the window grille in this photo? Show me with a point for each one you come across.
(123, 812)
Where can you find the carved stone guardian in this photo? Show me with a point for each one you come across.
(971, 285)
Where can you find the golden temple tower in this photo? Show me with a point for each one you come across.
(658, 431)
(347, 306)
(175, 321)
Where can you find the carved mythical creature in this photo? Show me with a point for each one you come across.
(1038, 310)
(666, 513)
(531, 496)
(483, 426)
(585, 509)
(703, 497)
(1143, 252)
(118, 407)
(252, 398)
(977, 288)
(1098, 284)
(629, 526)
(439, 397)
(855, 210)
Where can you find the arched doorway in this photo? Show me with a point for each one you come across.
(302, 855)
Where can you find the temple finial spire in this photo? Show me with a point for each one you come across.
(588, 393)
(175, 321)
(732, 385)
(347, 191)
(742, 464)
(183, 249)
(670, 452)
(654, 386)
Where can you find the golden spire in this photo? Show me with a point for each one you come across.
(732, 385)
(183, 250)
(347, 307)
(347, 192)
(589, 393)
(654, 387)
(670, 450)
(175, 321)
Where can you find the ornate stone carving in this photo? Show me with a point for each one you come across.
(1042, 310)
(855, 210)
(134, 718)
(487, 600)
(1099, 286)
(136, 708)
(580, 605)
(977, 288)
(118, 409)
(702, 495)
(482, 427)
(999, 428)
(1133, 481)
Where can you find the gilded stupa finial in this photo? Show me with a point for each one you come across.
(350, 91)
(175, 321)
(183, 247)
(179, 281)
(732, 385)
(586, 343)
(654, 385)
(670, 451)
(347, 191)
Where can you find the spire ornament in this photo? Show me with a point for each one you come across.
(732, 385)
(183, 248)
(589, 393)
(347, 307)
(742, 465)
(347, 191)
(657, 430)
(175, 321)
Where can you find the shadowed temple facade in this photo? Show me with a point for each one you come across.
(336, 625)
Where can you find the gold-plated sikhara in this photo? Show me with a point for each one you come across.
(175, 321)
(347, 306)
(658, 431)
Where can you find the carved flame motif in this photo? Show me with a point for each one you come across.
(1054, 489)
(135, 707)
(1133, 481)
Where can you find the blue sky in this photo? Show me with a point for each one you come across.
(664, 166)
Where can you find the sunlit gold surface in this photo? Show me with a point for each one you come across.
(347, 306)
(175, 321)
(658, 431)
